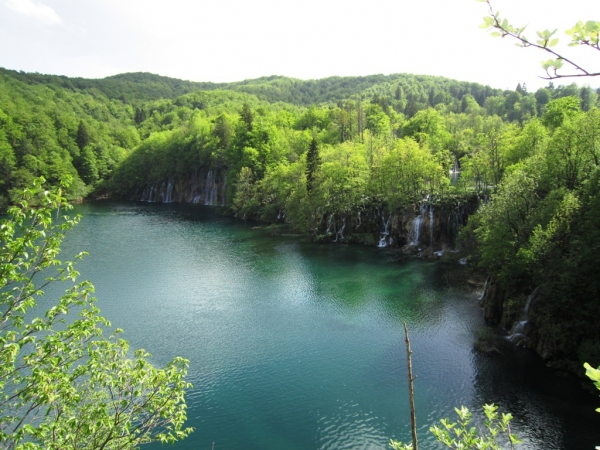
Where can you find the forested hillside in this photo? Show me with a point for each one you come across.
(398, 160)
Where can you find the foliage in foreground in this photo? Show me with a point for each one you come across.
(63, 383)
(594, 375)
(460, 436)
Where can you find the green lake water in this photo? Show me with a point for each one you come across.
(296, 345)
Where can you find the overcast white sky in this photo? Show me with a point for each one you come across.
(230, 40)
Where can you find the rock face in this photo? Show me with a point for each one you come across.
(516, 313)
(203, 186)
(426, 228)
(492, 302)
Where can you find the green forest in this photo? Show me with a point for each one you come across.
(512, 177)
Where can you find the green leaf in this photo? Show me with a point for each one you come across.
(591, 373)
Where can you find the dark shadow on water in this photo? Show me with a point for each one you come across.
(552, 405)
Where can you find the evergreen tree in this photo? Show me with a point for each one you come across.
(140, 115)
(247, 117)
(312, 163)
(83, 138)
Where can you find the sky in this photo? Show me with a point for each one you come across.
(232, 40)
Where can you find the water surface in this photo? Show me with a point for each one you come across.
(295, 345)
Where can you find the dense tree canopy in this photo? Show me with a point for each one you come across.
(335, 157)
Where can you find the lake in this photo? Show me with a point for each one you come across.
(296, 345)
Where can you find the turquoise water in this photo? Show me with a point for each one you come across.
(295, 345)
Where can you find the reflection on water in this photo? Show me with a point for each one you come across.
(295, 345)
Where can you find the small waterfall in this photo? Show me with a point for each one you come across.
(196, 199)
(214, 191)
(415, 231)
(417, 223)
(168, 198)
(359, 221)
(455, 167)
(149, 194)
(161, 192)
(223, 191)
(210, 189)
(484, 289)
(431, 226)
(386, 232)
(329, 222)
(517, 332)
(454, 173)
(340, 233)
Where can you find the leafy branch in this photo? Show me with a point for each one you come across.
(63, 383)
(586, 34)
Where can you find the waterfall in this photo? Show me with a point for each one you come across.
(484, 289)
(168, 198)
(214, 191)
(151, 197)
(517, 332)
(340, 233)
(417, 223)
(161, 192)
(210, 189)
(455, 167)
(359, 221)
(386, 232)
(431, 223)
(415, 231)
(223, 191)
(329, 222)
(142, 198)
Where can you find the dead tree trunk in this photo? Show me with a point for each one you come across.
(411, 392)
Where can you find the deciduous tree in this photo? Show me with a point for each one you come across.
(65, 384)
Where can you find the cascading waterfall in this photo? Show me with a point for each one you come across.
(484, 288)
(151, 194)
(199, 187)
(359, 221)
(214, 192)
(223, 191)
(454, 173)
(340, 232)
(154, 193)
(455, 167)
(168, 198)
(415, 230)
(329, 222)
(516, 334)
(431, 226)
(143, 196)
(417, 224)
(386, 232)
(211, 188)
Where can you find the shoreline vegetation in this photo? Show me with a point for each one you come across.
(423, 164)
